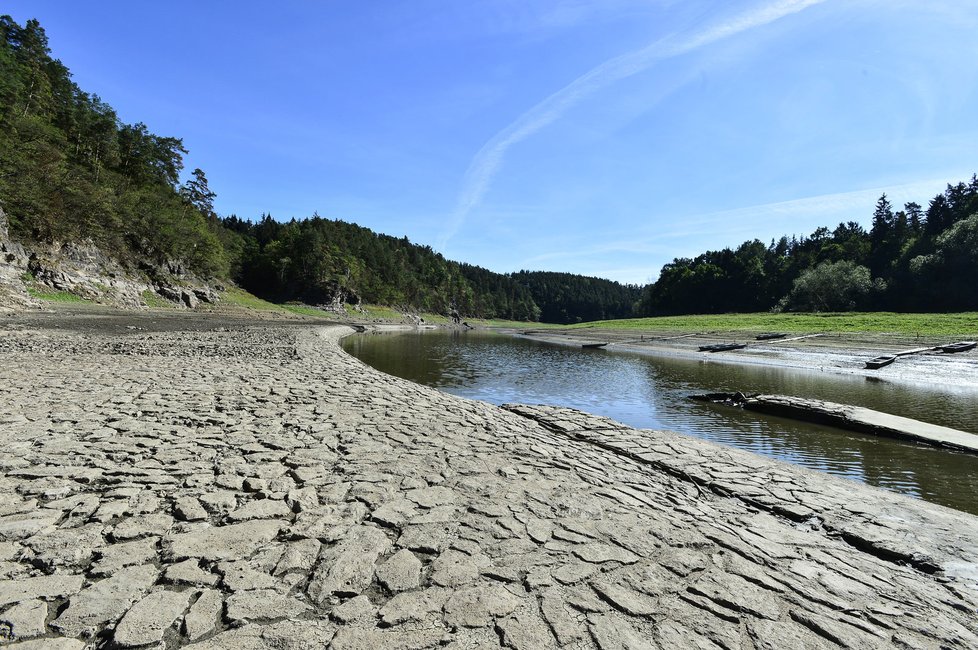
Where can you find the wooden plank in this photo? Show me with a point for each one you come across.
(799, 338)
(851, 418)
(915, 351)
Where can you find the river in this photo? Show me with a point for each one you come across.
(652, 392)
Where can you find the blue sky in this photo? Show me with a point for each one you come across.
(602, 137)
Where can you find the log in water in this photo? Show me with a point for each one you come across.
(850, 418)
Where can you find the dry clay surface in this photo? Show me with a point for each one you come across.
(255, 487)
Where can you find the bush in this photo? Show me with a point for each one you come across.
(831, 286)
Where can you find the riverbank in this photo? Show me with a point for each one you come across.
(837, 353)
(238, 484)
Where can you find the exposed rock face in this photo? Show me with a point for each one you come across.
(83, 269)
(257, 488)
(13, 265)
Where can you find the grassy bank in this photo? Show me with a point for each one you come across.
(960, 324)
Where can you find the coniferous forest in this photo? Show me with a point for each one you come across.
(70, 169)
(911, 259)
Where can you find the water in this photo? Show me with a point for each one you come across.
(652, 392)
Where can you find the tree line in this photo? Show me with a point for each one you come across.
(319, 260)
(911, 259)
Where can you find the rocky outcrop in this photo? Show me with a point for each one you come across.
(13, 266)
(257, 488)
(84, 270)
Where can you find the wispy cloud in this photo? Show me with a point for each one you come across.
(855, 205)
(487, 161)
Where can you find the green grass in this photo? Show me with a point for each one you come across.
(305, 310)
(152, 299)
(375, 312)
(54, 296)
(511, 324)
(961, 324)
(436, 319)
(240, 298)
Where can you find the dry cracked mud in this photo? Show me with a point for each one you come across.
(255, 487)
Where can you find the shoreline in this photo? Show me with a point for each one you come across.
(832, 353)
(228, 484)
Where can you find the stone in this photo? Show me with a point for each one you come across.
(394, 513)
(540, 530)
(248, 637)
(189, 509)
(24, 525)
(263, 604)
(65, 547)
(414, 605)
(562, 618)
(400, 572)
(24, 620)
(9, 551)
(355, 638)
(299, 634)
(241, 576)
(49, 644)
(627, 600)
(189, 572)
(355, 610)
(613, 633)
(303, 499)
(774, 635)
(599, 553)
(428, 538)
(203, 616)
(261, 509)
(113, 557)
(149, 618)
(299, 556)
(105, 601)
(573, 572)
(219, 502)
(477, 606)
(142, 526)
(232, 542)
(254, 485)
(348, 568)
(452, 568)
(525, 630)
(43, 587)
(739, 595)
(430, 497)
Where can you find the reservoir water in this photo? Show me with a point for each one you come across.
(652, 392)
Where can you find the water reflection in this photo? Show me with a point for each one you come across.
(651, 392)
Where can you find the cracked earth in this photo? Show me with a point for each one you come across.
(254, 487)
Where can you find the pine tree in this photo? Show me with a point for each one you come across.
(197, 193)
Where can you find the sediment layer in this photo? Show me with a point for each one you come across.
(256, 487)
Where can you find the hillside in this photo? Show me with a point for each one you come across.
(72, 173)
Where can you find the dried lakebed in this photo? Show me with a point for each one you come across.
(255, 487)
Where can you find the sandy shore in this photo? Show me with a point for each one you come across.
(225, 484)
(843, 354)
